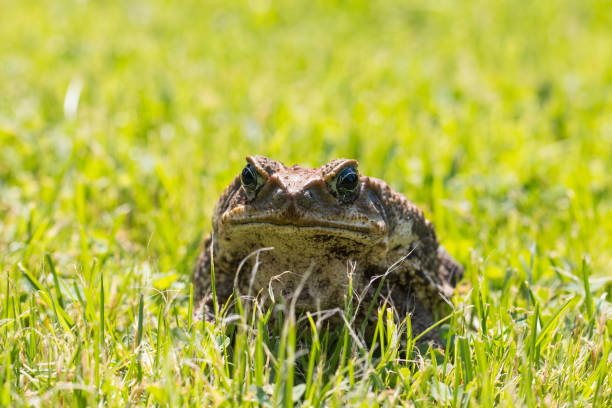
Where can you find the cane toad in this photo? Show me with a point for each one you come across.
(317, 226)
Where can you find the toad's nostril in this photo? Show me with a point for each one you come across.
(306, 199)
(279, 197)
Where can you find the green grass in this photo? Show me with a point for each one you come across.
(121, 123)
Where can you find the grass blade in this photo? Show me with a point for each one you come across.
(588, 300)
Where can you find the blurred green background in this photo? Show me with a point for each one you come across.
(121, 122)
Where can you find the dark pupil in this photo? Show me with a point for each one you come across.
(248, 177)
(347, 181)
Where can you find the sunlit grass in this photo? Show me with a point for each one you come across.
(121, 123)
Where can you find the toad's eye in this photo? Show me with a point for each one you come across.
(347, 181)
(249, 178)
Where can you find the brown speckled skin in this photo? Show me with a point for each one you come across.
(313, 231)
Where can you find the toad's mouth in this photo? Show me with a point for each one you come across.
(370, 227)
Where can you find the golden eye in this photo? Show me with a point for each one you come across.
(347, 181)
(248, 178)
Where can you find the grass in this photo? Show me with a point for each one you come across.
(121, 123)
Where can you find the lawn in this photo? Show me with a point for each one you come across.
(122, 122)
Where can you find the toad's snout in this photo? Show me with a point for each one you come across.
(293, 201)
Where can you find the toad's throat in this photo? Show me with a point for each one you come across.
(371, 227)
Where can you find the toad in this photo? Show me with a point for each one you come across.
(306, 234)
